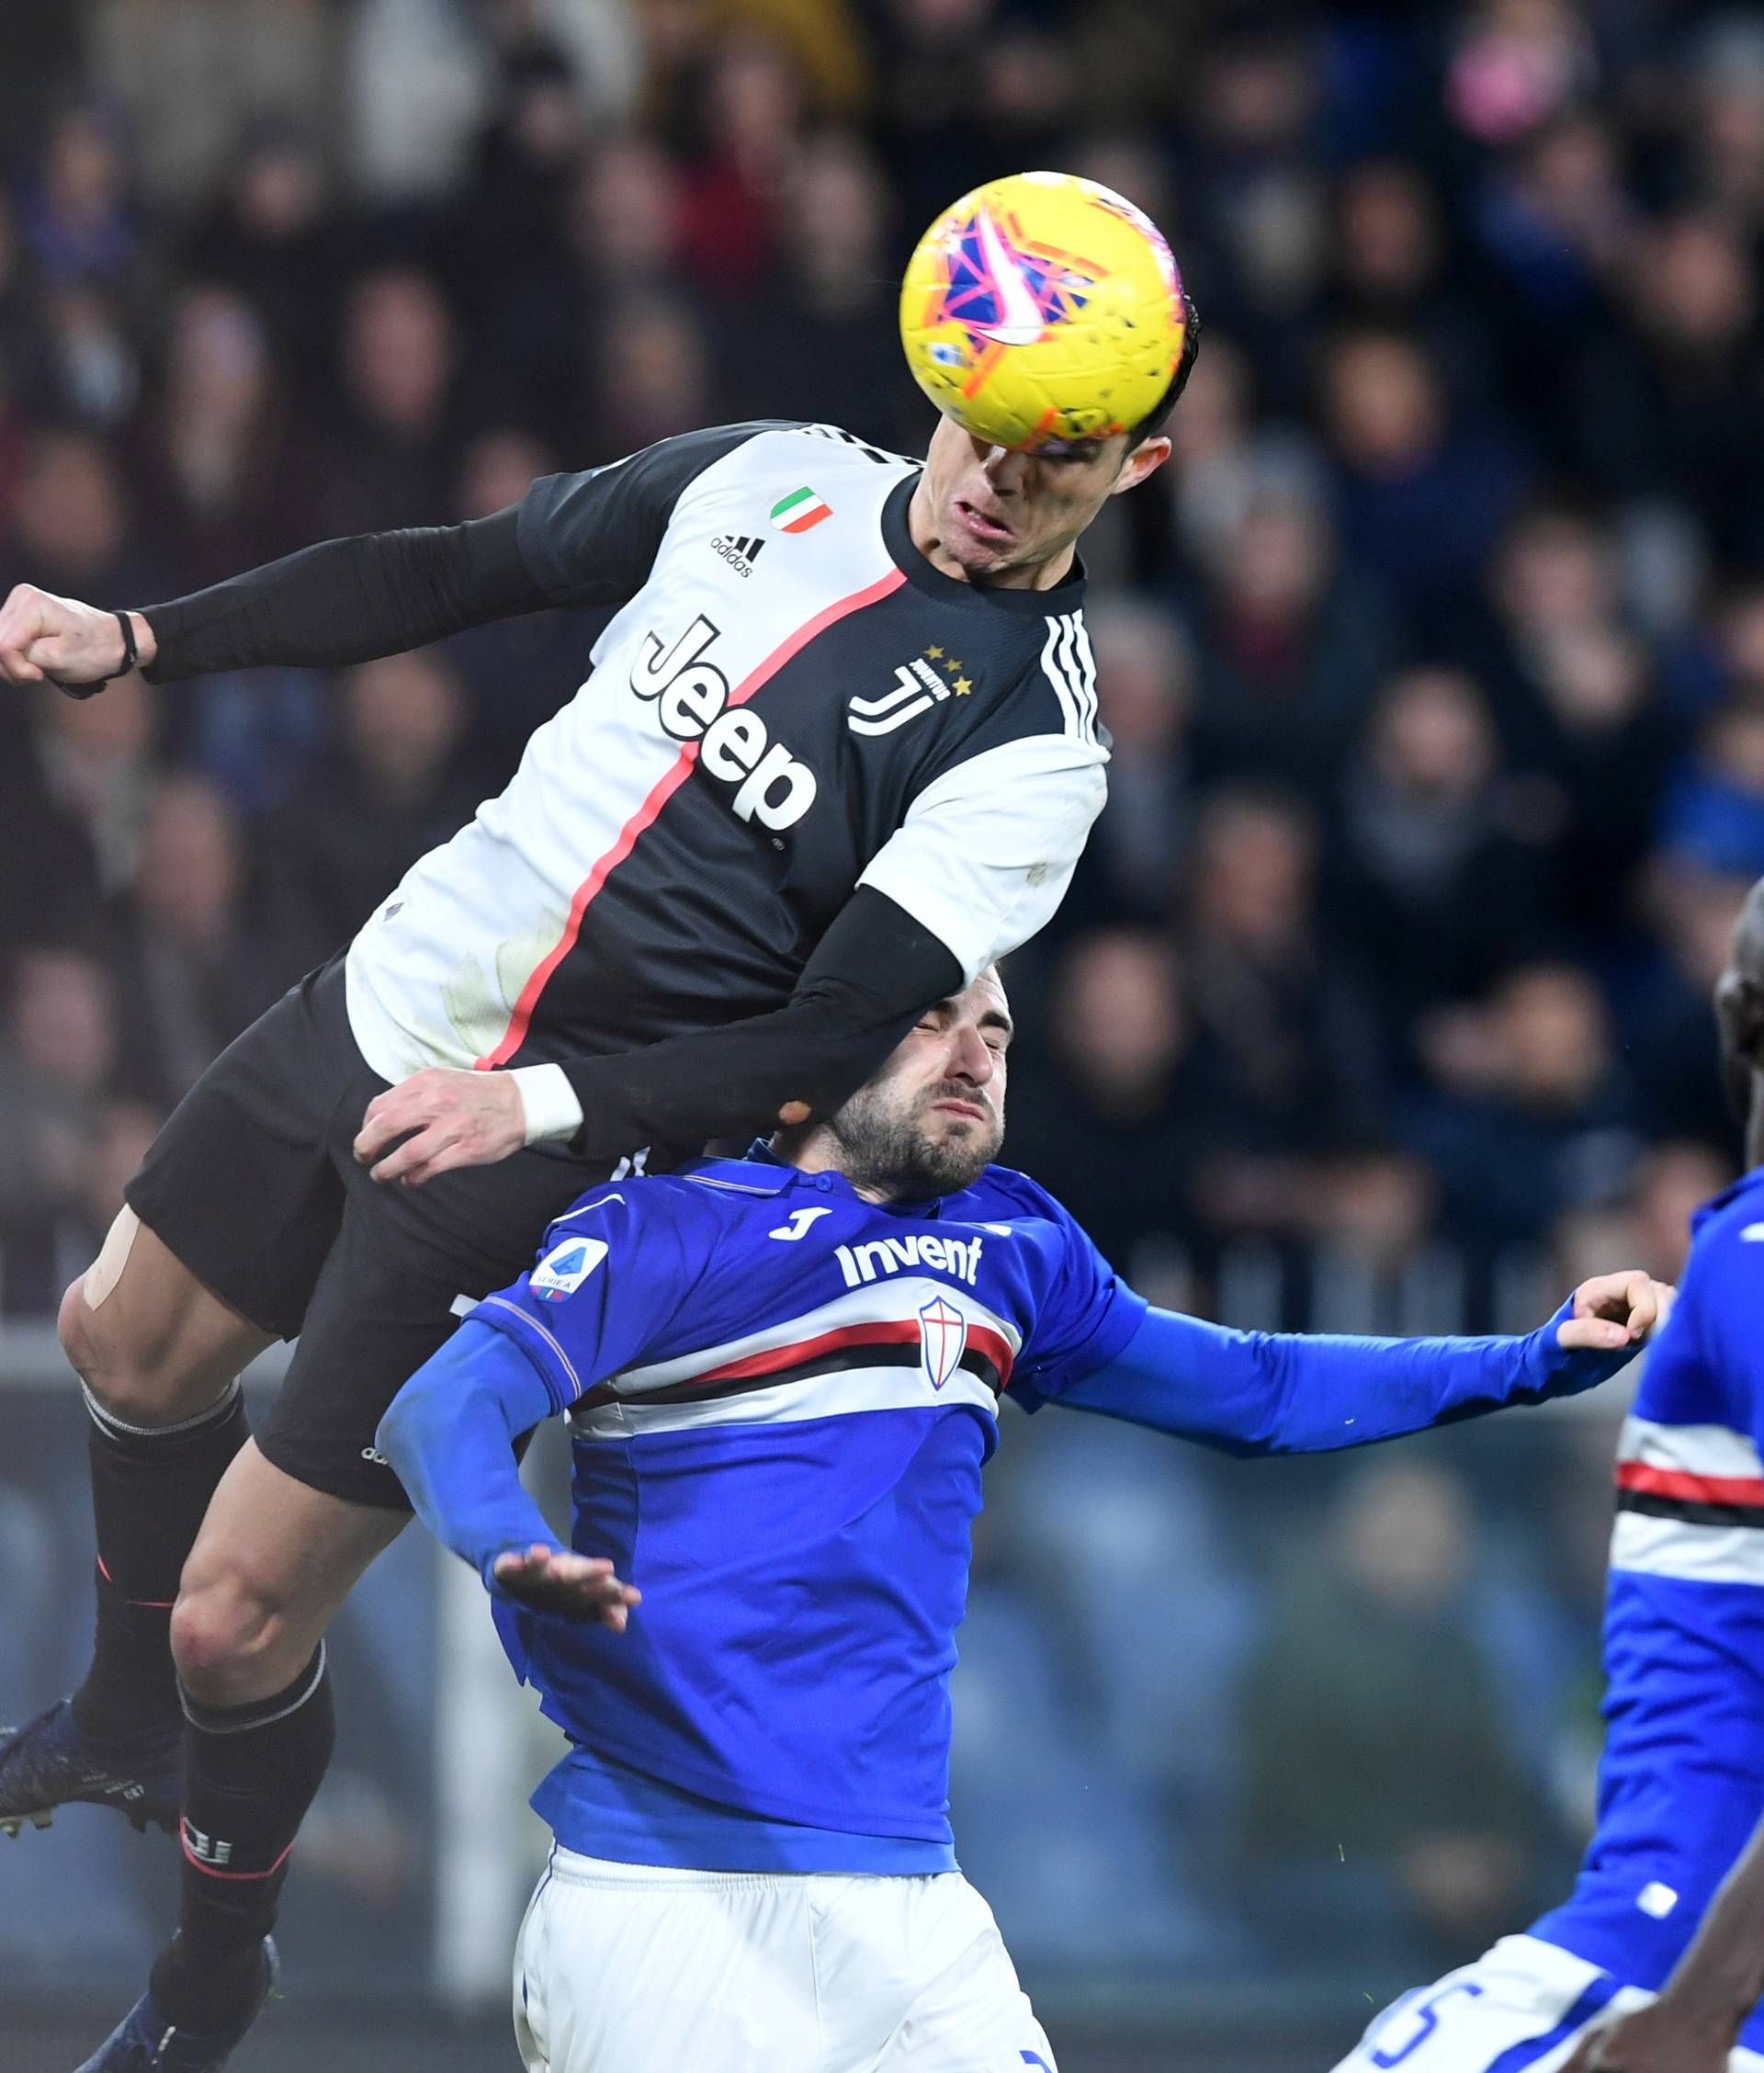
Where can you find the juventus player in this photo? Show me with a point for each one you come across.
(781, 1375)
(838, 752)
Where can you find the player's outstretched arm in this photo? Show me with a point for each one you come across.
(1256, 1392)
(587, 538)
(450, 1437)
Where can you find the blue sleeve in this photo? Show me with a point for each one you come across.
(1086, 1315)
(1258, 1392)
(614, 1274)
(449, 1435)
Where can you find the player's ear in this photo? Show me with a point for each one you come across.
(1144, 459)
(1739, 1009)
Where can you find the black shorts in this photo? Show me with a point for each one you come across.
(253, 1185)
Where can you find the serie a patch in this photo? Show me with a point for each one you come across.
(566, 1267)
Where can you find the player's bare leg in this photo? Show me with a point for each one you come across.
(158, 1355)
(272, 1565)
(273, 1562)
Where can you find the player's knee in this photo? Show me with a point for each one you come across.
(228, 1641)
(135, 1378)
(123, 1377)
(74, 1328)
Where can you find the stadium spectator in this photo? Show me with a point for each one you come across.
(1296, 1068)
(821, 329)
(1113, 1115)
(1384, 1794)
(1531, 1112)
(1392, 269)
(227, 477)
(391, 791)
(1422, 499)
(270, 234)
(1145, 689)
(71, 525)
(1291, 640)
(194, 971)
(388, 458)
(517, 672)
(75, 213)
(1713, 816)
(60, 1050)
(1443, 876)
(1667, 404)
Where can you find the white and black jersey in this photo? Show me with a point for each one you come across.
(791, 702)
(809, 785)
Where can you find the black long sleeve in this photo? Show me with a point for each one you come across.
(581, 539)
(349, 600)
(875, 972)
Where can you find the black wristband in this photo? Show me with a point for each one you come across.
(131, 659)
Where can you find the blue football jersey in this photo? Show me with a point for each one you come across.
(781, 1397)
(1681, 1785)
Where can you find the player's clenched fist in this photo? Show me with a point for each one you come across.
(577, 1587)
(1616, 1310)
(59, 640)
(446, 1118)
(1658, 2039)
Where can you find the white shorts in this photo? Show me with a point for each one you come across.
(1520, 2008)
(628, 1969)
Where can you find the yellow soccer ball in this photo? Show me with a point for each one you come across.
(1043, 306)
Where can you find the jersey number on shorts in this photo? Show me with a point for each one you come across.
(1426, 2014)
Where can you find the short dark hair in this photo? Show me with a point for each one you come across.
(1158, 416)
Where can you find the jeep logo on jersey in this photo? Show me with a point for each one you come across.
(691, 699)
(917, 687)
(566, 1267)
(943, 1336)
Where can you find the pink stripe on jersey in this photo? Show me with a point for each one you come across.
(515, 1035)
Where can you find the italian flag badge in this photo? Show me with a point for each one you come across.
(801, 509)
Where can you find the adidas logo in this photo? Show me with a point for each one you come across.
(740, 552)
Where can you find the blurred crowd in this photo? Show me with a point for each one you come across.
(1434, 666)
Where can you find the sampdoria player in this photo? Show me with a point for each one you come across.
(782, 1374)
(838, 752)
(1681, 1786)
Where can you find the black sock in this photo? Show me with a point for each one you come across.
(149, 1487)
(250, 1774)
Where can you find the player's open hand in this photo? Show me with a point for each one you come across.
(1661, 2038)
(577, 1587)
(59, 640)
(1616, 1310)
(440, 1118)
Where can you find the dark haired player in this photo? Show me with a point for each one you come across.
(1656, 1961)
(838, 750)
(782, 1376)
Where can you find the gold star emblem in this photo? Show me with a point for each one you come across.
(933, 654)
(963, 687)
(953, 667)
